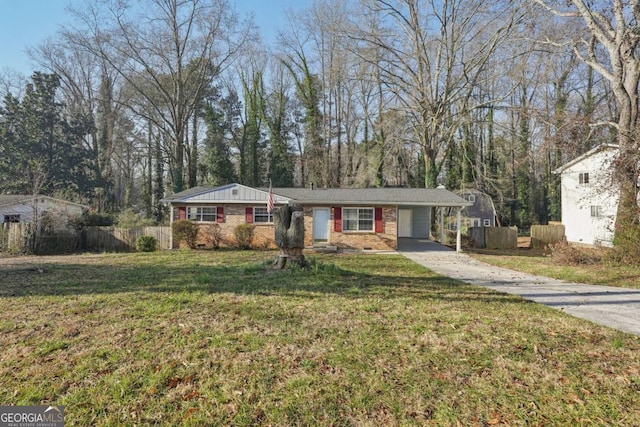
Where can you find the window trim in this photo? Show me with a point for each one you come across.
(216, 215)
(267, 214)
(11, 218)
(596, 211)
(583, 178)
(200, 214)
(358, 209)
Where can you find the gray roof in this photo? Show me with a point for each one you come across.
(188, 193)
(377, 196)
(15, 199)
(12, 199)
(347, 196)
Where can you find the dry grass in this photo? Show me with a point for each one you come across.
(218, 338)
(566, 262)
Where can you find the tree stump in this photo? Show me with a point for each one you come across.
(289, 236)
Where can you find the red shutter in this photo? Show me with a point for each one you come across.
(219, 214)
(378, 219)
(182, 212)
(337, 219)
(248, 214)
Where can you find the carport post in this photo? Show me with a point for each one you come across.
(442, 235)
(458, 235)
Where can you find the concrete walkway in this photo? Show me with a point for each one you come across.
(617, 308)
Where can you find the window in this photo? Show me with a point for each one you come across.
(357, 219)
(12, 218)
(596, 211)
(472, 198)
(202, 213)
(475, 222)
(583, 178)
(487, 223)
(262, 216)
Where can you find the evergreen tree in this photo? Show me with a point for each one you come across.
(42, 149)
(217, 167)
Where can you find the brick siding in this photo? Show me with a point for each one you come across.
(235, 215)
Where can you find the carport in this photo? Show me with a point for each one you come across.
(414, 220)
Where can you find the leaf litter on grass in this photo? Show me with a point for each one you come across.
(168, 347)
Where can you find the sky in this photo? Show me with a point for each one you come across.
(27, 23)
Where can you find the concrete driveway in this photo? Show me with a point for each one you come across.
(617, 308)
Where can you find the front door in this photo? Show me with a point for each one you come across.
(321, 225)
(405, 222)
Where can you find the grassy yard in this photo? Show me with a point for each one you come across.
(541, 263)
(219, 338)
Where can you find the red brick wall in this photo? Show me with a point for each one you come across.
(368, 240)
(235, 215)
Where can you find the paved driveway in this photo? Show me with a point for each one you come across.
(618, 308)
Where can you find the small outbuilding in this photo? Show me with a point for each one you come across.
(481, 212)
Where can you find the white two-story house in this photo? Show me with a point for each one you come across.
(590, 197)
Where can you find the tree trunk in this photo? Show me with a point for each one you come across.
(289, 236)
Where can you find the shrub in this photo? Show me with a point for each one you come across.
(213, 235)
(244, 234)
(95, 219)
(186, 231)
(146, 244)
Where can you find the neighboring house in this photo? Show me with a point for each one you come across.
(371, 218)
(17, 208)
(481, 212)
(589, 199)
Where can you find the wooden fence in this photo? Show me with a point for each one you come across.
(494, 237)
(113, 239)
(19, 238)
(14, 238)
(545, 235)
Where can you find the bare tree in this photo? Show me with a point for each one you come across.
(613, 28)
(438, 54)
(175, 46)
(11, 82)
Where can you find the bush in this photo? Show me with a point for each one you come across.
(244, 234)
(213, 235)
(186, 231)
(146, 244)
(95, 220)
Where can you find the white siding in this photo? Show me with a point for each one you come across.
(577, 199)
(26, 209)
(236, 193)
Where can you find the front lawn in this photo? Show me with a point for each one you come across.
(219, 338)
